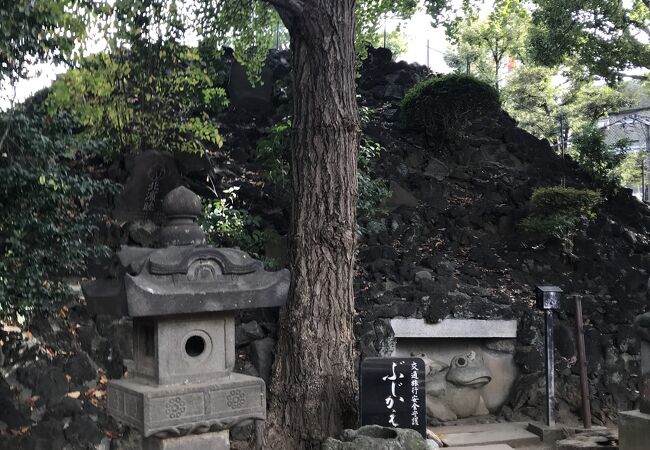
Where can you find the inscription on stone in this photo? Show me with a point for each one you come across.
(393, 393)
(151, 175)
(156, 174)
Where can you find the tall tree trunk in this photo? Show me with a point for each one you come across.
(314, 388)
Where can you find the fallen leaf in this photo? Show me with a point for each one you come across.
(31, 401)
(74, 394)
(99, 394)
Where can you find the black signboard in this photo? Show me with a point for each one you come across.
(392, 393)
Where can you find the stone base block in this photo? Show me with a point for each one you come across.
(552, 434)
(590, 440)
(185, 409)
(206, 441)
(633, 430)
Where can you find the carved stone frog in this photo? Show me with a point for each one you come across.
(454, 390)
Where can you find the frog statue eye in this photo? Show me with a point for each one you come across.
(461, 362)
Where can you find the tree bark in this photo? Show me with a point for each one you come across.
(314, 388)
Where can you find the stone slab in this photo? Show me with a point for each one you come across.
(484, 447)
(552, 434)
(547, 433)
(645, 377)
(489, 434)
(454, 328)
(633, 430)
(461, 427)
(183, 409)
(206, 441)
(591, 440)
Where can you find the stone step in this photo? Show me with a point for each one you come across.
(511, 434)
(460, 427)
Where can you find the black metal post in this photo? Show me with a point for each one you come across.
(643, 198)
(550, 369)
(582, 361)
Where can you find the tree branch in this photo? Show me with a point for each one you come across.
(636, 77)
(4, 136)
(293, 6)
(287, 9)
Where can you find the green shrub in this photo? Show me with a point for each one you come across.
(45, 228)
(227, 226)
(273, 155)
(153, 95)
(373, 190)
(559, 213)
(446, 106)
(597, 158)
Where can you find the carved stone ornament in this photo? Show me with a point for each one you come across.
(454, 390)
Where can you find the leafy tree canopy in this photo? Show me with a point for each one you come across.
(605, 36)
(32, 31)
(486, 43)
(249, 26)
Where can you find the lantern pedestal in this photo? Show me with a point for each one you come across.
(171, 410)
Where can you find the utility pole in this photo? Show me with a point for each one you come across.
(646, 130)
(427, 52)
(563, 143)
(643, 196)
(467, 63)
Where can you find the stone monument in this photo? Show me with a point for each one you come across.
(634, 426)
(181, 392)
(454, 390)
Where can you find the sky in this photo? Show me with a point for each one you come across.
(418, 32)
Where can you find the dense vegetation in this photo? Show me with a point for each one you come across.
(560, 213)
(559, 66)
(46, 228)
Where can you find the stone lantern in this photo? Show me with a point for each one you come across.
(181, 392)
